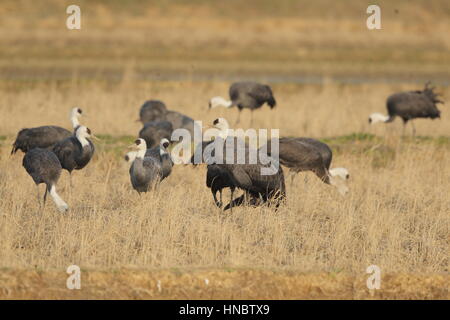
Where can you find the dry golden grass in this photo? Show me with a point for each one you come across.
(395, 216)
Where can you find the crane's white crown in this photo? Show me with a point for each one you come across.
(140, 144)
(377, 117)
(222, 125)
(75, 113)
(164, 143)
(219, 102)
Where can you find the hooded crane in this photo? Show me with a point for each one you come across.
(75, 152)
(44, 137)
(145, 171)
(246, 94)
(155, 110)
(160, 152)
(247, 176)
(307, 154)
(44, 167)
(410, 105)
(154, 131)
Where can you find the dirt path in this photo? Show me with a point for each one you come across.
(236, 284)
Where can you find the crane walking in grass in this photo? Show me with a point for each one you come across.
(307, 154)
(258, 188)
(410, 105)
(246, 95)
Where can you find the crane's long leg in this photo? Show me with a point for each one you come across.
(413, 128)
(251, 118)
(236, 202)
(38, 195)
(404, 126)
(217, 203)
(238, 117)
(231, 201)
(292, 174)
(45, 195)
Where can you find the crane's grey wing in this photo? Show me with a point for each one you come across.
(323, 148)
(39, 137)
(66, 150)
(180, 120)
(42, 165)
(411, 104)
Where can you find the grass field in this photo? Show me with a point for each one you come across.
(328, 73)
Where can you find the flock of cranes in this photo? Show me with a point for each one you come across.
(50, 149)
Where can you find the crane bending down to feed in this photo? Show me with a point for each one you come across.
(45, 137)
(258, 188)
(307, 154)
(410, 105)
(44, 167)
(146, 171)
(75, 152)
(246, 94)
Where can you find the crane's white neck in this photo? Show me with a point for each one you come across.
(62, 206)
(74, 118)
(378, 117)
(223, 128)
(223, 133)
(220, 102)
(141, 152)
(82, 137)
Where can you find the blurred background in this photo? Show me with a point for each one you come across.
(276, 41)
(328, 71)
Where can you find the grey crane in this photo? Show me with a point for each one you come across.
(410, 105)
(154, 131)
(245, 176)
(44, 167)
(246, 94)
(155, 110)
(145, 171)
(307, 154)
(75, 152)
(160, 152)
(45, 136)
